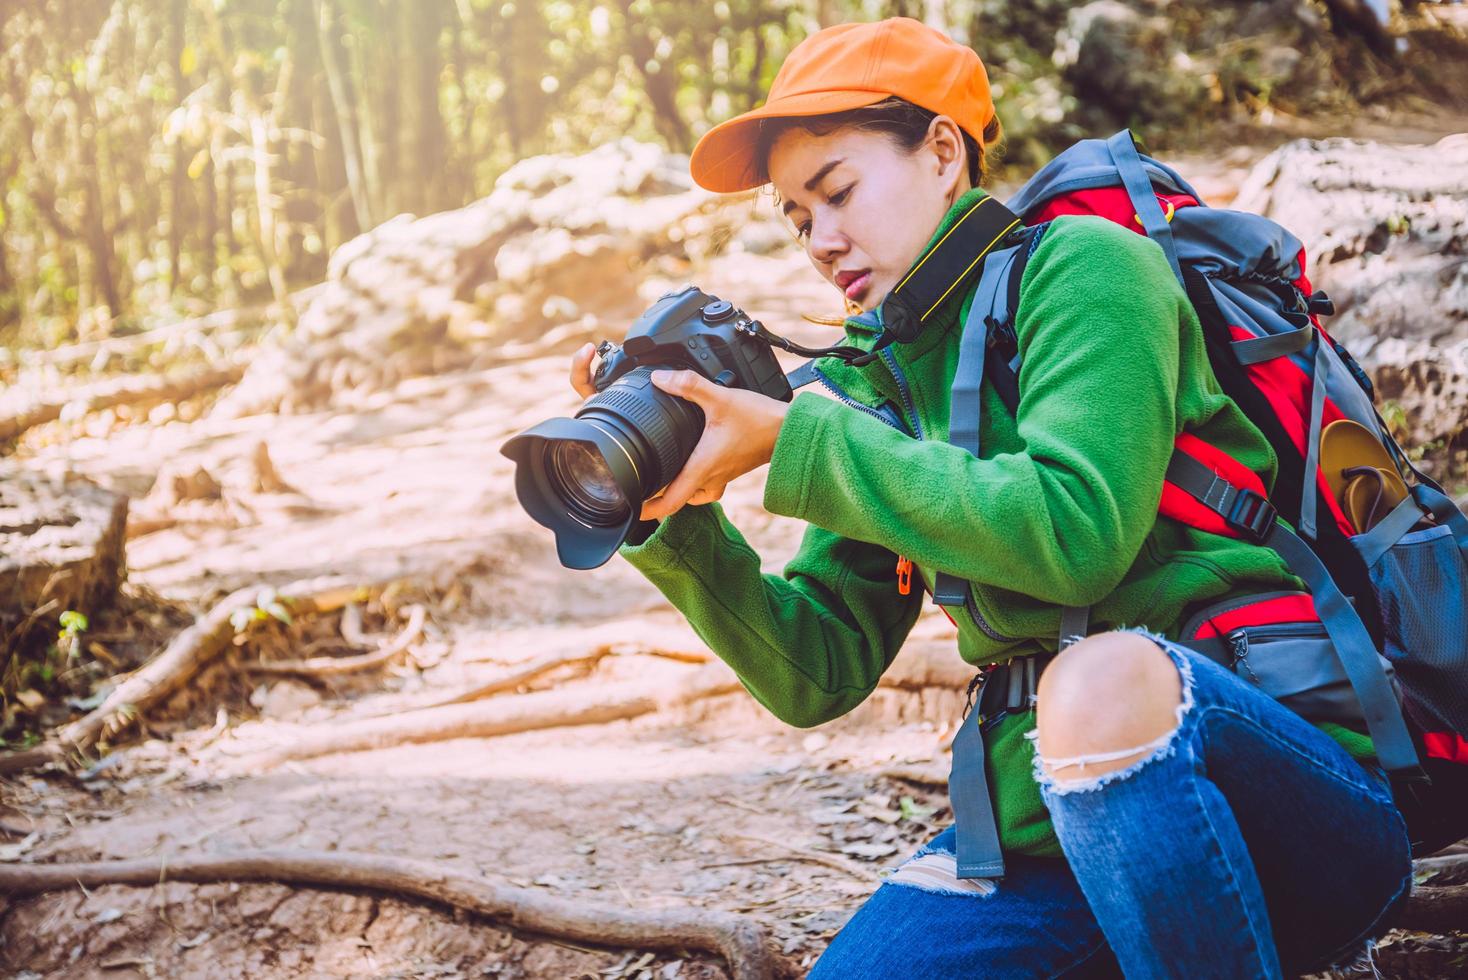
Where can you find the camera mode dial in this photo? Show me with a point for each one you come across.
(719, 309)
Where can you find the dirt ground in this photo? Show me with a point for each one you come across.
(715, 804)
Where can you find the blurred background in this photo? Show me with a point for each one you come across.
(172, 157)
(277, 280)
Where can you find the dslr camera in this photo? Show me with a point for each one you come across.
(586, 477)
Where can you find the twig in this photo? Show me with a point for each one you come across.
(916, 776)
(351, 626)
(789, 853)
(325, 666)
(740, 940)
(502, 716)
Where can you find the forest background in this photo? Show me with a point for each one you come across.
(165, 158)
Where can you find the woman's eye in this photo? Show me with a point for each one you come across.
(839, 198)
(803, 230)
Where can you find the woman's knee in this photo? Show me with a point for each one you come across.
(1102, 695)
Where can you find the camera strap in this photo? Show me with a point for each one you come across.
(940, 273)
(946, 268)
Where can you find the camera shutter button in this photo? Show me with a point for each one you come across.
(719, 309)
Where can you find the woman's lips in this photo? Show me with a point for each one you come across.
(857, 286)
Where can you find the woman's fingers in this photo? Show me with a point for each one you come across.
(690, 385)
(581, 370)
(707, 495)
(670, 501)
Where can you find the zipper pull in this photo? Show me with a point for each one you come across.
(904, 575)
(1238, 643)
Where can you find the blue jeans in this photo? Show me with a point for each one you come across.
(1246, 844)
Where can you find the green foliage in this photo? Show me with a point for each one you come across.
(268, 605)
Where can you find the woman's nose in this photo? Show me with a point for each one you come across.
(826, 241)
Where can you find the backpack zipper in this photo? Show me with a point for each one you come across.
(1238, 640)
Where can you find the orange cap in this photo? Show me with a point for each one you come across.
(846, 67)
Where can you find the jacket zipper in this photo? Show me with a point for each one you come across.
(969, 602)
(846, 399)
(890, 360)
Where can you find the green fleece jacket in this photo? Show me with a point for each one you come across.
(1059, 510)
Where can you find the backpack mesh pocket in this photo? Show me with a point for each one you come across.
(1421, 583)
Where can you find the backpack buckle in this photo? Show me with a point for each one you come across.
(1251, 514)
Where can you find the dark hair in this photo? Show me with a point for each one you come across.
(905, 123)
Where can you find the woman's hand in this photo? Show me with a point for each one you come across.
(581, 370)
(739, 433)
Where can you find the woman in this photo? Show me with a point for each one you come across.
(1155, 812)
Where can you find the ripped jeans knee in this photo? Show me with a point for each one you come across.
(1059, 775)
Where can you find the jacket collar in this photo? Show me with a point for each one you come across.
(869, 324)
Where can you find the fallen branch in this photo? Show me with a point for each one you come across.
(739, 940)
(184, 656)
(119, 391)
(330, 666)
(502, 716)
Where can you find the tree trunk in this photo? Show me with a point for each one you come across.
(176, 179)
(660, 81)
(426, 136)
(343, 102)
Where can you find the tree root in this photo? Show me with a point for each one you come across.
(1440, 909)
(740, 940)
(330, 666)
(536, 669)
(120, 391)
(184, 656)
(501, 716)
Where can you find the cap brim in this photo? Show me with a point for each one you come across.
(724, 159)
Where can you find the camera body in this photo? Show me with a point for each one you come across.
(587, 477)
(691, 329)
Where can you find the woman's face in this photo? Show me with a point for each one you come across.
(864, 207)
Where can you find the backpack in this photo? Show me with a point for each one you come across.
(1382, 636)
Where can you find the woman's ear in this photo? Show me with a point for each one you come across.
(945, 140)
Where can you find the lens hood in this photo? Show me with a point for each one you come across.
(579, 544)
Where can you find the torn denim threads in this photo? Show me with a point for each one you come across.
(925, 922)
(1048, 771)
(1246, 842)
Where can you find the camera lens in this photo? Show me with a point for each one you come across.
(584, 481)
(586, 477)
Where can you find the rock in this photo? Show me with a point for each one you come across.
(1386, 227)
(61, 548)
(561, 239)
(1115, 57)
